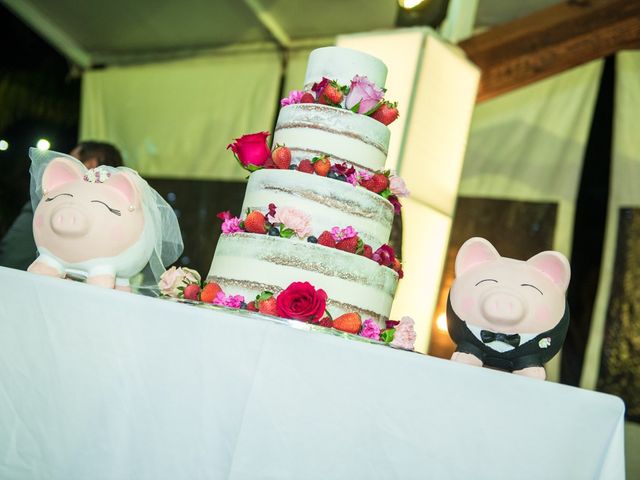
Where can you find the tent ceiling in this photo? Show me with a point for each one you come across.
(93, 32)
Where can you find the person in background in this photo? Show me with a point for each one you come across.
(17, 247)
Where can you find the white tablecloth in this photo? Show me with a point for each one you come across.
(99, 384)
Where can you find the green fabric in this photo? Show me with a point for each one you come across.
(176, 119)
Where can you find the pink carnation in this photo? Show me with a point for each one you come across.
(398, 187)
(343, 233)
(231, 301)
(231, 225)
(384, 255)
(294, 97)
(352, 178)
(295, 219)
(405, 334)
(370, 329)
(364, 94)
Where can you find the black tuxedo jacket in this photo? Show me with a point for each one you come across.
(527, 354)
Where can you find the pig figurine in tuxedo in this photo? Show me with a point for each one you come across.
(505, 313)
(91, 224)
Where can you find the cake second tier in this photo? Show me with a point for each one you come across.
(330, 203)
(312, 130)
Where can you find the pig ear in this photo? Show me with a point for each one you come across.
(61, 170)
(555, 266)
(125, 186)
(473, 252)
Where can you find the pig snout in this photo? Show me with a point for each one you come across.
(503, 308)
(69, 222)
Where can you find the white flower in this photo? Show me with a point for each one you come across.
(544, 342)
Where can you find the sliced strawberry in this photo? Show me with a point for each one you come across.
(348, 245)
(305, 166)
(326, 239)
(349, 322)
(308, 98)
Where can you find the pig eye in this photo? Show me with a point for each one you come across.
(112, 210)
(48, 199)
(486, 280)
(532, 286)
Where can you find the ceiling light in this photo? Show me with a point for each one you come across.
(43, 144)
(409, 4)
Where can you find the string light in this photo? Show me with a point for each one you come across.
(4, 145)
(43, 144)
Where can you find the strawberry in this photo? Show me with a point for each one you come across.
(397, 266)
(255, 223)
(349, 322)
(251, 306)
(326, 239)
(305, 166)
(268, 307)
(386, 113)
(378, 183)
(348, 244)
(321, 166)
(367, 251)
(331, 94)
(307, 97)
(326, 322)
(191, 291)
(209, 292)
(281, 157)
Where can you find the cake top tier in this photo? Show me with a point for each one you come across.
(342, 64)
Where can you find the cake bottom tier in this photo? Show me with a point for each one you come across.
(247, 264)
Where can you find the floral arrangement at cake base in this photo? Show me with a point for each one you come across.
(300, 301)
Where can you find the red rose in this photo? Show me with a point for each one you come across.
(301, 301)
(251, 150)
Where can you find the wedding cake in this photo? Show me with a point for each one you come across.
(319, 205)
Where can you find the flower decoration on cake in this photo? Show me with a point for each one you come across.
(301, 301)
(231, 301)
(361, 96)
(251, 151)
(174, 281)
(370, 329)
(364, 96)
(405, 334)
(289, 218)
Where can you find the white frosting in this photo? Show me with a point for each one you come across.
(310, 130)
(330, 203)
(342, 64)
(247, 264)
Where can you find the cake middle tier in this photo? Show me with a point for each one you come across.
(312, 130)
(330, 203)
(248, 264)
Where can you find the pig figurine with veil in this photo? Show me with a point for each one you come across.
(104, 225)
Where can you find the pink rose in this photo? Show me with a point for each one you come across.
(398, 187)
(405, 335)
(294, 97)
(295, 219)
(370, 329)
(301, 301)
(251, 150)
(175, 278)
(363, 94)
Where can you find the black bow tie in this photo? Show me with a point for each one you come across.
(487, 337)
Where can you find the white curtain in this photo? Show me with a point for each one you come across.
(175, 119)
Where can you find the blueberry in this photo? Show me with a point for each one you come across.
(243, 305)
(293, 166)
(342, 178)
(332, 174)
(312, 239)
(274, 232)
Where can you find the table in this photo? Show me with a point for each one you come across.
(101, 384)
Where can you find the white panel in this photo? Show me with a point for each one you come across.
(400, 50)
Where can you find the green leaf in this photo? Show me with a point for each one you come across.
(360, 247)
(265, 295)
(287, 233)
(355, 108)
(387, 335)
(386, 193)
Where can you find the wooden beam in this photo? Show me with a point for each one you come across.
(551, 41)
